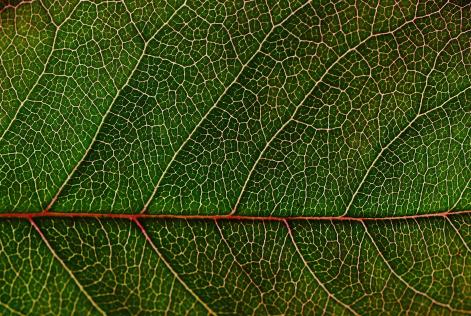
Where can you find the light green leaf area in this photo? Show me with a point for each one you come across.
(235, 157)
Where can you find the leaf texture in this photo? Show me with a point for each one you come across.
(239, 157)
(417, 267)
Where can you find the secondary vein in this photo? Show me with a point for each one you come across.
(167, 264)
(400, 278)
(244, 66)
(108, 111)
(329, 294)
(66, 268)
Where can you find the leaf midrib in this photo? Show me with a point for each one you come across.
(190, 217)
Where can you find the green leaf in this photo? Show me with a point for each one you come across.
(238, 157)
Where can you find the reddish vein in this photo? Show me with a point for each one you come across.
(169, 266)
(66, 268)
(134, 217)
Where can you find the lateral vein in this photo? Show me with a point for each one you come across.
(244, 66)
(409, 286)
(66, 268)
(167, 264)
(108, 111)
(329, 294)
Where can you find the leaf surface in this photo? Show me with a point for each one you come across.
(256, 157)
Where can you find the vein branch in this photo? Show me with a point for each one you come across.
(108, 111)
(11, 310)
(298, 106)
(169, 267)
(43, 70)
(409, 125)
(459, 234)
(66, 268)
(329, 294)
(407, 284)
(244, 66)
(236, 260)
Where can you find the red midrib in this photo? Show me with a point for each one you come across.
(134, 217)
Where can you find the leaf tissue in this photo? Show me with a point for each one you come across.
(261, 157)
